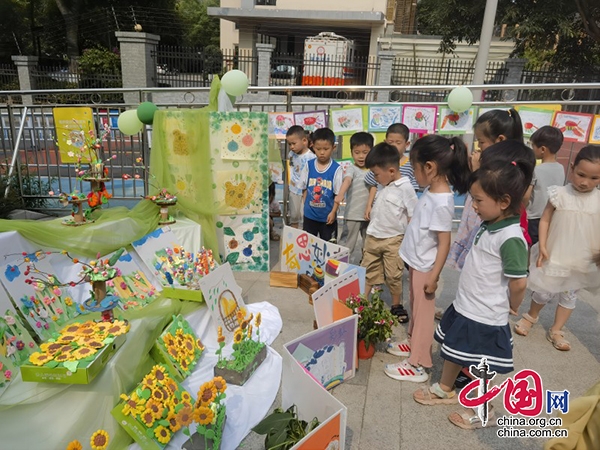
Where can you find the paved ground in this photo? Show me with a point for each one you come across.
(381, 412)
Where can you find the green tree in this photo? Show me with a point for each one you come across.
(200, 28)
(565, 31)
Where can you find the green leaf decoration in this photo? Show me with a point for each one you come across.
(108, 340)
(71, 365)
(186, 431)
(233, 257)
(164, 423)
(257, 259)
(228, 231)
(51, 364)
(145, 394)
(275, 421)
(210, 434)
(150, 433)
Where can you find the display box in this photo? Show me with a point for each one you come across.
(193, 295)
(178, 348)
(82, 375)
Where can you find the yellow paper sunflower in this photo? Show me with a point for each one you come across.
(173, 352)
(156, 408)
(118, 327)
(199, 344)
(99, 440)
(238, 336)
(73, 328)
(188, 344)
(67, 337)
(147, 418)
(39, 359)
(50, 347)
(184, 364)
(93, 343)
(207, 393)
(220, 384)
(163, 435)
(240, 316)
(168, 339)
(249, 331)
(184, 416)
(149, 381)
(62, 357)
(258, 320)
(203, 415)
(159, 372)
(174, 424)
(170, 386)
(83, 352)
(186, 397)
(133, 405)
(74, 445)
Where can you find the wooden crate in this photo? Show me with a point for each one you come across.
(284, 279)
(307, 284)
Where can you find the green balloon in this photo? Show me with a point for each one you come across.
(128, 123)
(460, 99)
(145, 112)
(235, 82)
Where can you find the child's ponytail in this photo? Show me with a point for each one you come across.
(459, 172)
(498, 122)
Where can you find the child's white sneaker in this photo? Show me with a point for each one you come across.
(399, 348)
(404, 371)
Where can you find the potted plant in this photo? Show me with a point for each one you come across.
(283, 429)
(375, 321)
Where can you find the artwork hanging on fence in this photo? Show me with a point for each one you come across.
(419, 119)
(302, 252)
(280, 123)
(346, 120)
(382, 116)
(452, 122)
(595, 132)
(311, 120)
(245, 242)
(329, 352)
(240, 188)
(223, 298)
(72, 126)
(238, 136)
(534, 118)
(238, 192)
(574, 126)
(481, 110)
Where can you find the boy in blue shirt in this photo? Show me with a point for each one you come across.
(321, 181)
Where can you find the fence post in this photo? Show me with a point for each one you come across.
(25, 66)
(264, 52)
(386, 61)
(137, 64)
(514, 72)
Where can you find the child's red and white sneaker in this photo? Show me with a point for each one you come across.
(399, 348)
(404, 371)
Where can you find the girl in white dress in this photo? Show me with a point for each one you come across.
(562, 262)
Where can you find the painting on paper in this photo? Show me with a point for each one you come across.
(223, 298)
(382, 116)
(311, 120)
(574, 126)
(132, 287)
(452, 122)
(237, 135)
(152, 248)
(419, 119)
(533, 119)
(280, 123)
(239, 192)
(329, 352)
(346, 120)
(595, 132)
(304, 253)
(245, 243)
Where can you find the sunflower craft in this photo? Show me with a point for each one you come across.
(156, 409)
(178, 348)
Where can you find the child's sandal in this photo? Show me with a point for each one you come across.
(469, 420)
(523, 326)
(435, 395)
(558, 340)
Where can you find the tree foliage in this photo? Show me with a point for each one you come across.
(566, 32)
(202, 29)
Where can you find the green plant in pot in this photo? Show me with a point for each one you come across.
(375, 320)
(283, 429)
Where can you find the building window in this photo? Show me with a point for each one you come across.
(266, 2)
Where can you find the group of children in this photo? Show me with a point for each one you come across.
(492, 246)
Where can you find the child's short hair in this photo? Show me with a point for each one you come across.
(361, 138)
(296, 130)
(398, 128)
(323, 134)
(506, 169)
(547, 136)
(589, 153)
(383, 155)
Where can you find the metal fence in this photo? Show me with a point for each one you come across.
(195, 66)
(422, 71)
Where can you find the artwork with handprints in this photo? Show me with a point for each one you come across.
(245, 242)
(420, 119)
(238, 192)
(237, 136)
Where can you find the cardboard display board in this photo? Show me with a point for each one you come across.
(325, 298)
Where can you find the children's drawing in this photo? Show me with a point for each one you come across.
(223, 298)
(346, 120)
(237, 135)
(382, 116)
(238, 192)
(533, 119)
(482, 110)
(302, 252)
(132, 287)
(452, 122)
(595, 133)
(280, 123)
(151, 247)
(328, 353)
(335, 268)
(574, 126)
(311, 120)
(325, 298)
(419, 119)
(45, 308)
(245, 242)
